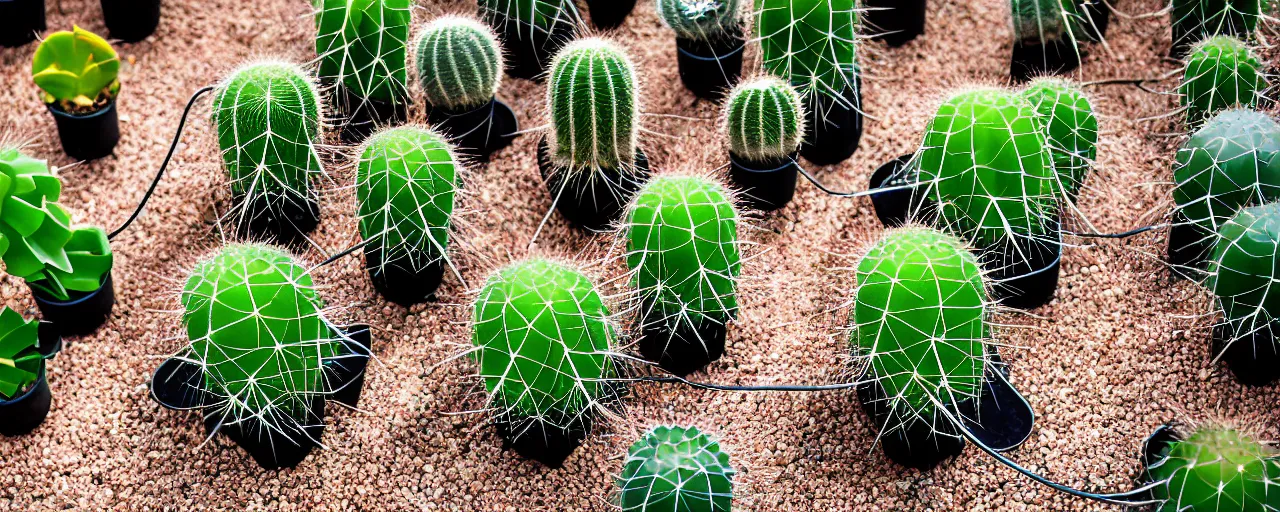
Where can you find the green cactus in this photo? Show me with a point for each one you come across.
(543, 339)
(986, 164)
(19, 355)
(764, 120)
(1221, 72)
(682, 246)
(811, 43)
(1194, 20)
(361, 45)
(526, 20)
(676, 469)
(1071, 129)
(1041, 22)
(1229, 163)
(701, 20)
(920, 321)
(459, 63)
(1216, 469)
(77, 70)
(406, 182)
(594, 107)
(1243, 268)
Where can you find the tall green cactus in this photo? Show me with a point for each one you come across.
(701, 20)
(459, 63)
(1216, 469)
(1195, 20)
(1244, 267)
(594, 107)
(676, 469)
(1071, 129)
(361, 45)
(406, 183)
(811, 43)
(764, 120)
(1221, 72)
(1229, 163)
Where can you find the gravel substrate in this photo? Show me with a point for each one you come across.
(1121, 349)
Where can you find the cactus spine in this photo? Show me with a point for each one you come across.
(676, 469)
(811, 43)
(1070, 128)
(459, 63)
(1222, 72)
(361, 45)
(1228, 164)
(764, 120)
(594, 106)
(701, 20)
(1216, 469)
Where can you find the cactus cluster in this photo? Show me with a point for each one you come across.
(764, 120)
(1195, 20)
(1070, 128)
(1228, 164)
(459, 63)
(19, 355)
(701, 20)
(1221, 72)
(594, 107)
(77, 70)
(1216, 469)
(811, 43)
(1243, 268)
(676, 469)
(362, 46)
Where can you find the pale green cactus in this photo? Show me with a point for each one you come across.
(459, 63)
(406, 187)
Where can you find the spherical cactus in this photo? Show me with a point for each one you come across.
(459, 63)
(764, 120)
(676, 469)
(811, 43)
(700, 20)
(1071, 129)
(1221, 72)
(361, 45)
(1242, 270)
(1042, 22)
(1229, 163)
(594, 106)
(1194, 20)
(1216, 469)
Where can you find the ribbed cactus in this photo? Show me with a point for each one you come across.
(764, 120)
(811, 43)
(1071, 129)
(594, 107)
(406, 183)
(361, 45)
(1216, 469)
(459, 63)
(1229, 163)
(19, 355)
(531, 30)
(1194, 20)
(676, 469)
(701, 20)
(1221, 72)
(1244, 266)
(1048, 21)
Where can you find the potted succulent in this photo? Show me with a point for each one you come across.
(262, 358)
(460, 68)
(675, 469)
(1047, 37)
(1221, 72)
(1211, 467)
(607, 14)
(77, 75)
(1241, 271)
(25, 398)
(131, 20)
(533, 31)
(763, 122)
(895, 22)
(20, 22)
(591, 162)
(709, 43)
(362, 50)
(1196, 20)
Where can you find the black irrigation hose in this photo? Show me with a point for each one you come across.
(163, 165)
(669, 379)
(344, 253)
(814, 180)
(1125, 234)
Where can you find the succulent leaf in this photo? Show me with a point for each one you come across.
(19, 357)
(75, 68)
(676, 469)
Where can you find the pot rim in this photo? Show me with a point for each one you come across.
(57, 111)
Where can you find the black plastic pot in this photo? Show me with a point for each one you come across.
(593, 201)
(273, 448)
(685, 350)
(23, 413)
(20, 22)
(540, 441)
(764, 185)
(1189, 245)
(608, 14)
(89, 136)
(477, 132)
(834, 127)
(1025, 273)
(893, 207)
(83, 313)
(398, 281)
(131, 20)
(361, 117)
(1030, 60)
(276, 217)
(1252, 356)
(529, 50)
(895, 21)
(1156, 448)
(710, 69)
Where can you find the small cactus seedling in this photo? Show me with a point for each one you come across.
(676, 469)
(459, 63)
(1071, 129)
(1240, 273)
(764, 120)
(811, 43)
(594, 106)
(361, 45)
(1215, 469)
(1221, 72)
(76, 70)
(682, 245)
(543, 339)
(1195, 20)
(532, 30)
(20, 356)
(268, 119)
(701, 20)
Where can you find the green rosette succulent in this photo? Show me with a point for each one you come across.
(1228, 164)
(1070, 128)
(676, 469)
(406, 186)
(701, 20)
(1221, 72)
(459, 63)
(20, 356)
(594, 107)
(77, 70)
(811, 43)
(362, 45)
(1216, 469)
(764, 120)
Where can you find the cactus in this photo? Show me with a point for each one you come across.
(594, 106)
(985, 163)
(459, 63)
(77, 70)
(764, 120)
(676, 469)
(1040, 22)
(19, 355)
(1216, 469)
(361, 45)
(1071, 129)
(1242, 269)
(406, 180)
(1221, 72)
(532, 30)
(1195, 20)
(811, 43)
(1228, 164)
(701, 20)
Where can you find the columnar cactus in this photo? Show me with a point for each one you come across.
(1071, 129)
(361, 45)
(1229, 163)
(811, 43)
(1040, 22)
(1216, 469)
(1243, 269)
(19, 354)
(1194, 20)
(459, 63)
(594, 107)
(676, 469)
(1221, 72)
(701, 20)
(764, 120)
(406, 183)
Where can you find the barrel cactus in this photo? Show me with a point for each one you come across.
(676, 469)
(1071, 129)
(532, 30)
(701, 20)
(1215, 469)
(459, 63)
(361, 45)
(764, 120)
(1221, 72)
(811, 43)
(594, 107)
(1242, 270)
(1195, 20)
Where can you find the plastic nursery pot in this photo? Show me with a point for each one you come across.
(23, 413)
(398, 281)
(269, 447)
(83, 313)
(1025, 275)
(686, 349)
(608, 14)
(528, 55)
(593, 201)
(541, 441)
(835, 126)
(20, 22)
(710, 69)
(896, 22)
(131, 20)
(477, 132)
(1252, 356)
(88, 136)
(274, 217)
(360, 117)
(893, 207)
(1054, 58)
(764, 185)
(1189, 245)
